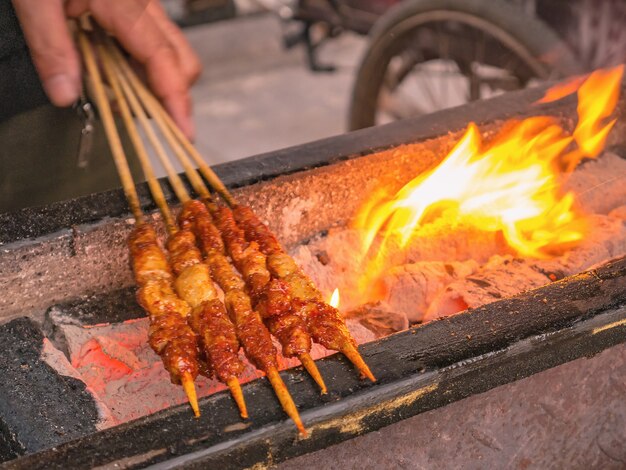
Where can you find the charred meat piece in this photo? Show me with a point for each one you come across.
(270, 296)
(170, 335)
(324, 322)
(208, 319)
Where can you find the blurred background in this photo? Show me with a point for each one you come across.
(255, 96)
(279, 73)
(283, 72)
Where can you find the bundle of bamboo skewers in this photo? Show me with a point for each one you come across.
(212, 247)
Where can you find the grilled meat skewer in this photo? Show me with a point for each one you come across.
(169, 335)
(270, 295)
(324, 322)
(254, 336)
(208, 316)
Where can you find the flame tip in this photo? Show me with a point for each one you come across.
(334, 298)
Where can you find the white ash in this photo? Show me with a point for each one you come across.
(57, 360)
(618, 213)
(411, 288)
(506, 276)
(116, 362)
(498, 278)
(607, 240)
(599, 184)
(444, 241)
(334, 260)
(379, 319)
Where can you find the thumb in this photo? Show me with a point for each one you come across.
(51, 48)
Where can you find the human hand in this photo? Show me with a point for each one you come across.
(142, 28)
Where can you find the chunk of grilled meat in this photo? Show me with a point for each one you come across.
(253, 335)
(270, 296)
(170, 335)
(208, 317)
(324, 322)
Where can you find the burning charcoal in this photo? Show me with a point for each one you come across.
(501, 277)
(118, 366)
(442, 241)
(323, 257)
(338, 271)
(599, 184)
(606, 240)
(410, 289)
(379, 318)
(360, 333)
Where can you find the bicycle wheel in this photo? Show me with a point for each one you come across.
(426, 55)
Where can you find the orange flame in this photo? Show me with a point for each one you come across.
(597, 98)
(510, 185)
(334, 299)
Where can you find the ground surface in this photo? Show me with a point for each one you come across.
(540, 422)
(254, 96)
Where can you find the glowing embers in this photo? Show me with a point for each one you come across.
(511, 184)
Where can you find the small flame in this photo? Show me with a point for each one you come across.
(597, 98)
(511, 184)
(334, 299)
(562, 90)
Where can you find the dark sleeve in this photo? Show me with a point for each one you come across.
(20, 88)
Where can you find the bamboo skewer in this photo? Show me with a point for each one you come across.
(119, 157)
(142, 155)
(166, 122)
(123, 93)
(121, 163)
(276, 381)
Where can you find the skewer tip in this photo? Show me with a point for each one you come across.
(352, 353)
(309, 364)
(285, 399)
(236, 392)
(190, 390)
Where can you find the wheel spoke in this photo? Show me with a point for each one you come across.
(445, 63)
